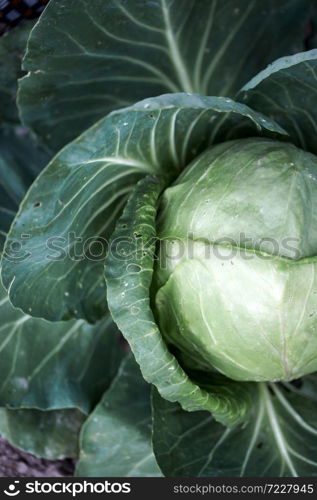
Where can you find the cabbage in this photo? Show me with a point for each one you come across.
(237, 268)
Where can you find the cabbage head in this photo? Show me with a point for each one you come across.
(236, 274)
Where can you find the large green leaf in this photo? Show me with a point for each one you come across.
(85, 59)
(45, 366)
(287, 92)
(116, 438)
(52, 434)
(129, 269)
(21, 158)
(12, 47)
(280, 440)
(84, 188)
(48, 434)
(311, 42)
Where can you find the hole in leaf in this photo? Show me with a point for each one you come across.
(37, 204)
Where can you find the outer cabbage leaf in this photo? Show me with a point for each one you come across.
(84, 188)
(47, 434)
(52, 434)
(311, 39)
(45, 366)
(129, 269)
(85, 59)
(21, 159)
(12, 47)
(280, 440)
(286, 91)
(116, 438)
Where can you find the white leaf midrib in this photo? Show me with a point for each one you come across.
(276, 428)
(175, 54)
(292, 411)
(253, 440)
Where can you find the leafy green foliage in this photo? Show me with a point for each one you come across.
(48, 434)
(285, 92)
(311, 33)
(279, 441)
(84, 60)
(129, 274)
(21, 157)
(84, 188)
(21, 160)
(81, 63)
(12, 47)
(45, 366)
(116, 438)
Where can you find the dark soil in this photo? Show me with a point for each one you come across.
(17, 463)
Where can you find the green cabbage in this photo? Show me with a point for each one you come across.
(236, 274)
